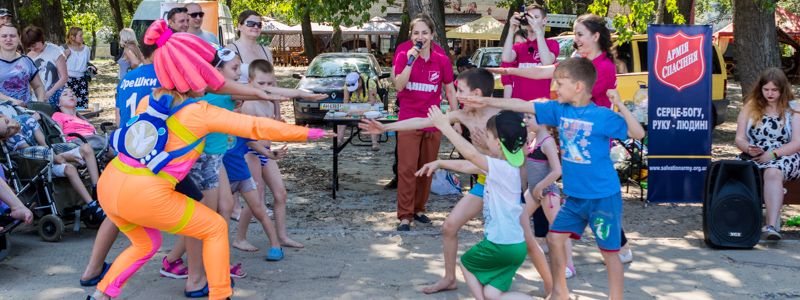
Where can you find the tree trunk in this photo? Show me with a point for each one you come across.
(117, 12)
(402, 36)
(755, 41)
(661, 10)
(309, 44)
(94, 45)
(53, 21)
(514, 7)
(336, 40)
(435, 10)
(437, 15)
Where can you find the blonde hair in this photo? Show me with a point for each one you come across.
(127, 40)
(756, 104)
(72, 33)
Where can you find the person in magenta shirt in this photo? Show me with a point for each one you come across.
(520, 36)
(593, 41)
(535, 51)
(419, 84)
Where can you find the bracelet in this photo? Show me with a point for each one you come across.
(774, 155)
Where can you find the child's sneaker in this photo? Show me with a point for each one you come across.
(570, 272)
(174, 269)
(771, 234)
(626, 256)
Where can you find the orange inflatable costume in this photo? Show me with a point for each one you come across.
(141, 203)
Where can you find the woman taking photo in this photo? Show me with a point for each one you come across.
(48, 58)
(77, 64)
(768, 132)
(420, 75)
(18, 72)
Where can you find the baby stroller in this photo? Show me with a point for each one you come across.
(51, 199)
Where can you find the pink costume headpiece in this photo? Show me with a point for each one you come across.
(182, 60)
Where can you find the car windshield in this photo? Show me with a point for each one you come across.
(491, 59)
(339, 66)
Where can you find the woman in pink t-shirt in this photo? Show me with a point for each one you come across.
(592, 41)
(419, 84)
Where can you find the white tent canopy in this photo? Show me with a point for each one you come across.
(375, 26)
(272, 26)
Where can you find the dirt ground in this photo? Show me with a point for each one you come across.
(353, 251)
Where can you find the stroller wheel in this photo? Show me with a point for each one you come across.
(5, 246)
(51, 227)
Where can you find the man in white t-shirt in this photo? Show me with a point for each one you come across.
(196, 14)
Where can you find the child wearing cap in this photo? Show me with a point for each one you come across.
(590, 182)
(358, 90)
(477, 82)
(490, 266)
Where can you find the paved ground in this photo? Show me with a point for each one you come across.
(375, 264)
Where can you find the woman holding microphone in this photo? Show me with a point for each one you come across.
(420, 74)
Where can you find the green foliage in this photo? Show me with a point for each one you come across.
(792, 6)
(88, 21)
(642, 12)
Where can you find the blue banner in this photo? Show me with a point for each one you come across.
(679, 112)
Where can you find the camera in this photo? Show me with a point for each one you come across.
(523, 20)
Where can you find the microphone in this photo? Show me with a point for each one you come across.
(411, 59)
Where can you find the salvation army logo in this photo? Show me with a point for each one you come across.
(680, 61)
(433, 76)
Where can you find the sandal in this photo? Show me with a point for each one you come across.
(201, 293)
(237, 271)
(275, 254)
(95, 280)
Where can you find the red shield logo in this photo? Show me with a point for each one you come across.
(680, 60)
(433, 77)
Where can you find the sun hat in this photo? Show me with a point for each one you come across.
(351, 81)
(512, 132)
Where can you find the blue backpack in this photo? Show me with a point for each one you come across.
(144, 136)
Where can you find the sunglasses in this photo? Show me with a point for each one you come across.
(197, 15)
(252, 24)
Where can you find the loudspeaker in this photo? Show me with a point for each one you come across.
(732, 204)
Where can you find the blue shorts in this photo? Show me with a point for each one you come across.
(477, 190)
(603, 215)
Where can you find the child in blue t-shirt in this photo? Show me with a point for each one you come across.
(590, 181)
(489, 266)
(242, 182)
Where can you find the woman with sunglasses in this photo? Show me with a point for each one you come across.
(196, 14)
(248, 49)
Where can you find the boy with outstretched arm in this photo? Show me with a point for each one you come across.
(590, 182)
(489, 266)
(476, 82)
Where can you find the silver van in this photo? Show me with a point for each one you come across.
(150, 10)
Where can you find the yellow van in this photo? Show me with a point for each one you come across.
(634, 55)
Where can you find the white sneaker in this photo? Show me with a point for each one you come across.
(626, 256)
(570, 272)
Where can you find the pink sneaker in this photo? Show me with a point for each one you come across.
(174, 269)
